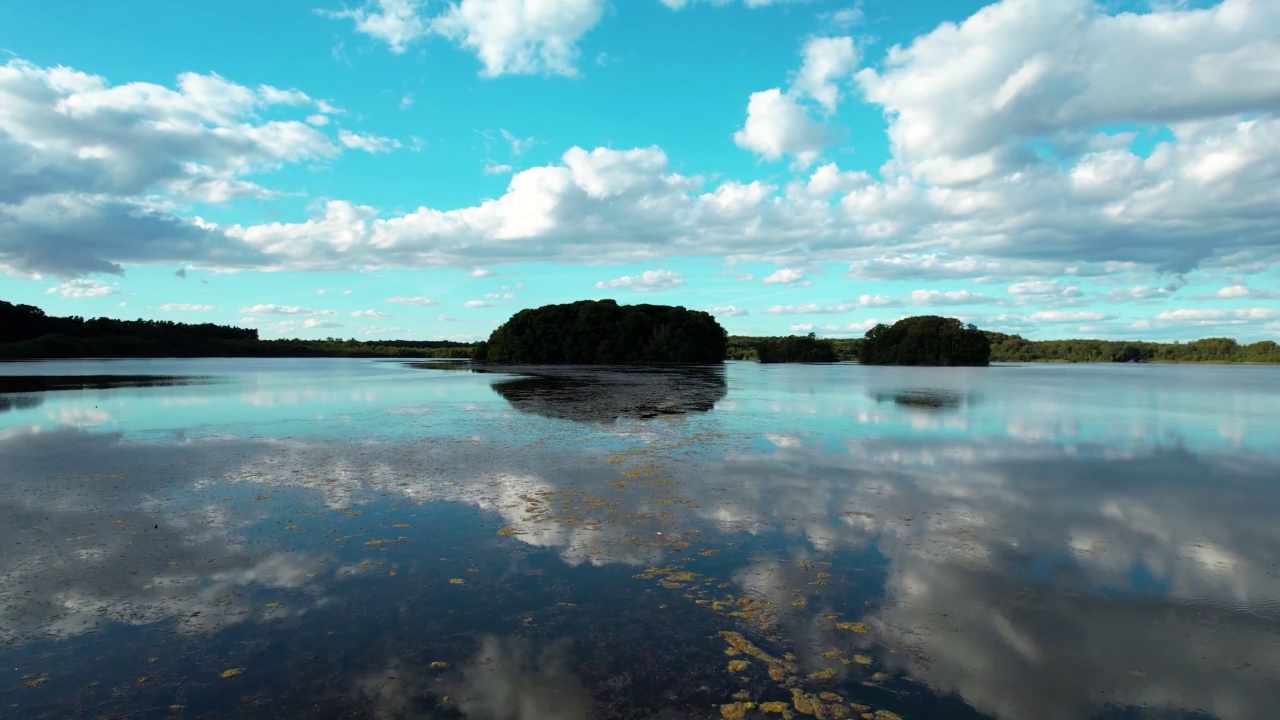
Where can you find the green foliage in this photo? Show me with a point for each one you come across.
(796, 348)
(26, 332)
(601, 331)
(1015, 348)
(925, 340)
(746, 347)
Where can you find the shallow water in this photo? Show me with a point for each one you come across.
(357, 538)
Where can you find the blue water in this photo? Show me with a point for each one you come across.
(362, 538)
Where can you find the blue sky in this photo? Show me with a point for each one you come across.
(402, 169)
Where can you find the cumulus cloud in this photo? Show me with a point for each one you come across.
(1205, 316)
(479, 272)
(269, 309)
(184, 307)
(787, 276)
(369, 314)
(476, 304)
(777, 125)
(420, 301)
(520, 36)
(83, 288)
(679, 4)
(949, 297)
(90, 171)
(1069, 316)
(728, 311)
(827, 62)
(367, 142)
(1140, 292)
(962, 98)
(395, 22)
(1233, 292)
(645, 281)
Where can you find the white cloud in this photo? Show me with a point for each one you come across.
(369, 314)
(1069, 316)
(184, 307)
(788, 276)
(90, 173)
(518, 145)
(679, 4)
(801, 328)
(645, 281)
(963, 98)
(828, 62)
(493, 168)
(950, 297)
(728, 311)
(1037, 287)
(480, 272)
(1241, 291)
(406, 101)
(520, 36)
(1210, 316)
(778, 125)
(83, 288)
(1140, 292)
(270, 309)
(366, 142)
(421, 301)
(499, 296)
(476, 304)
(396, 22)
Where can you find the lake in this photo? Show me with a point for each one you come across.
(376, 539)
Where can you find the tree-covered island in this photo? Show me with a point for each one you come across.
(604, 332)
(925, 340)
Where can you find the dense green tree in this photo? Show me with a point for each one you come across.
(796, 348)
(925, 340)
(603, 332)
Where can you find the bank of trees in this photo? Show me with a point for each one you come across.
(925, 340)
(604, 332)
(27, 332)
(1015, 348)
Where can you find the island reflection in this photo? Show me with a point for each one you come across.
(605, 394)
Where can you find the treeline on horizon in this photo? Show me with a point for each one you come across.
(27, 332)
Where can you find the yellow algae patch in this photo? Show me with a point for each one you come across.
(509, 530)
(732, 651)
(273, 604)
(859, 708)
(831, 697)
(742, 695)
(831, 654)
(855, 627)
(437, 665)
(36, 682)
(862, 659)
(823, 674)
(457, 581)
(777, 708)
(744, 645)
(807, 704)
(401, 526)
(879, 677)
(799, 602)
(736, 711)
(777, 674)
(708, 553)
(231, 673)
(886, 715)
(737, 666)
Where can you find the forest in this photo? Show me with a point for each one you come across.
(27, 332)
(925, 340)
(604, 332)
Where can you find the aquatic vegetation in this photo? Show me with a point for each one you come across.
(457, 581)
(852, 626)
(736, 710)
(231, 673)
(737, 666)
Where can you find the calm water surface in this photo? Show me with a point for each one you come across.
(369, 539)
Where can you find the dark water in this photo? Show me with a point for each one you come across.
(364, 539)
